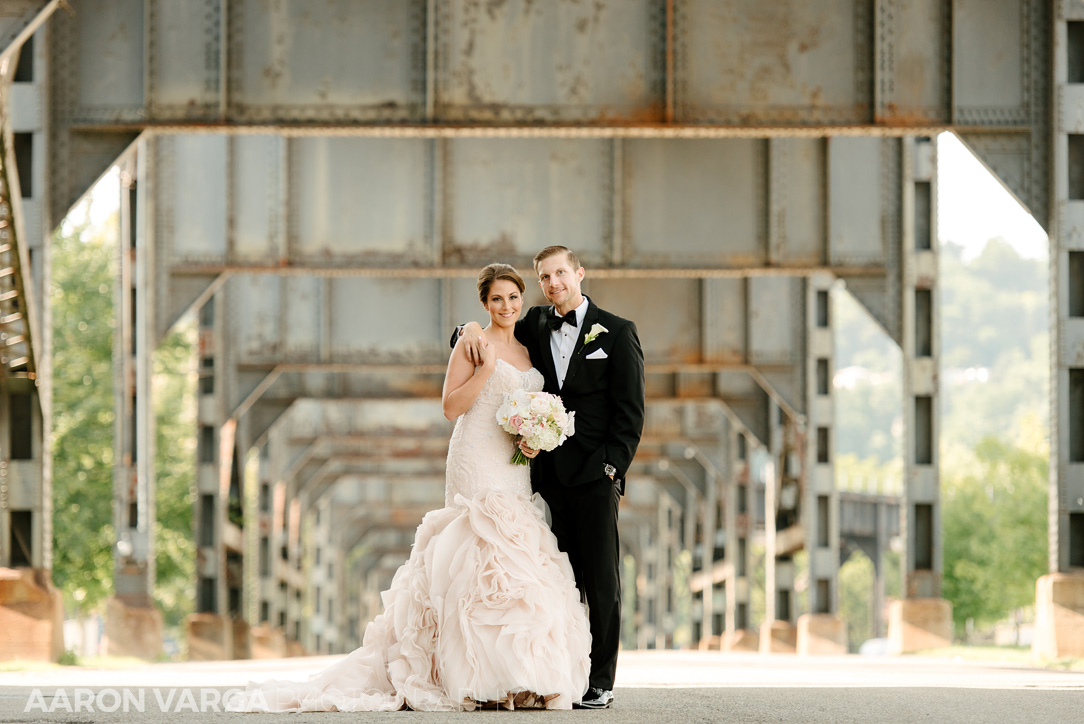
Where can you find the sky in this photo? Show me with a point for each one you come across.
(973, 206)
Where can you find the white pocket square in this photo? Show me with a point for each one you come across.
(598, 354)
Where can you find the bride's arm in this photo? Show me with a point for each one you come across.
(464, 381)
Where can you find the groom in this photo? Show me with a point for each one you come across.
(593, 360)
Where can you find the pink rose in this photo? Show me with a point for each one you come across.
(516, 421)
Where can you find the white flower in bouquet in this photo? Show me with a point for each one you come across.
(516, 404)
(537, 418)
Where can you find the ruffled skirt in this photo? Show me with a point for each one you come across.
(485, 610)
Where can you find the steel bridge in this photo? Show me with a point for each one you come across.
(289, 167)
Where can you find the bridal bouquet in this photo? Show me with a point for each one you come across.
(538, 418)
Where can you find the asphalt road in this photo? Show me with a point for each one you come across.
(652, 687)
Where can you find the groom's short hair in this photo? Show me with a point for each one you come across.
(553, 251)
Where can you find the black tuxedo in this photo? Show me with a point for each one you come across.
(606, 391)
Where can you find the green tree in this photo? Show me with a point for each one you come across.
(856, 598)
(856, 582)
(994, 516)
(84, 321)
(81, 294)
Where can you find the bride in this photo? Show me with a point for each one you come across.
(486, 609)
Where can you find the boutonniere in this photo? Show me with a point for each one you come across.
(596, 330)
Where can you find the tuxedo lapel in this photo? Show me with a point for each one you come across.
(545, 354)
(576, 362)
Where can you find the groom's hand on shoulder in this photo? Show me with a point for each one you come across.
(473, 339)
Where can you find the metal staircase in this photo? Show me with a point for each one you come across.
(16, 358)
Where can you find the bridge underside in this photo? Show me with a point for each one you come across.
(317, 182)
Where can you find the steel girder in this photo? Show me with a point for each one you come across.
(19, 19)
(285, 211)
(696, 68)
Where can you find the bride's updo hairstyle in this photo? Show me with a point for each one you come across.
(492, 273)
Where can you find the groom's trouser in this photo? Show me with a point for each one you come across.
(584, 521)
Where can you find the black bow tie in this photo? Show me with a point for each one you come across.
(556, 320)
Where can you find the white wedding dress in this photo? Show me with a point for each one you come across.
(484, 610)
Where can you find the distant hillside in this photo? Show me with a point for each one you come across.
(994, 356)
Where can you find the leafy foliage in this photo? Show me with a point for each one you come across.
(994, 516)
(83, 264)
(995, 439)
(856, 579)
(84, 320)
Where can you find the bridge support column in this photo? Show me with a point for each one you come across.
(663, 579)
(279, 541)
(1059, 599)
(355, 593)
(740, 518)
(31, 609)
(219, 507)
(922, 619)
(630, 597)
(646, 583)
(699, 468)
(324, 588)
(293, 584)
(268, 639)
(333, 564)
(133, 625)
(714, 591)
(284, 540)
(690, 527)
(820, 630)
(1059, 616)
(778, 633)
(879, 628)
(315, 638)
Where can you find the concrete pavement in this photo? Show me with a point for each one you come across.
(653, 686)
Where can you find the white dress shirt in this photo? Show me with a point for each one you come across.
(563, 342)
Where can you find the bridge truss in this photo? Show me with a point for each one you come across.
(318, 182)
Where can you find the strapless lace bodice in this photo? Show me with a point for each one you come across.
(477, 441)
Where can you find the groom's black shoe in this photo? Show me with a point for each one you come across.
(597, 699)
